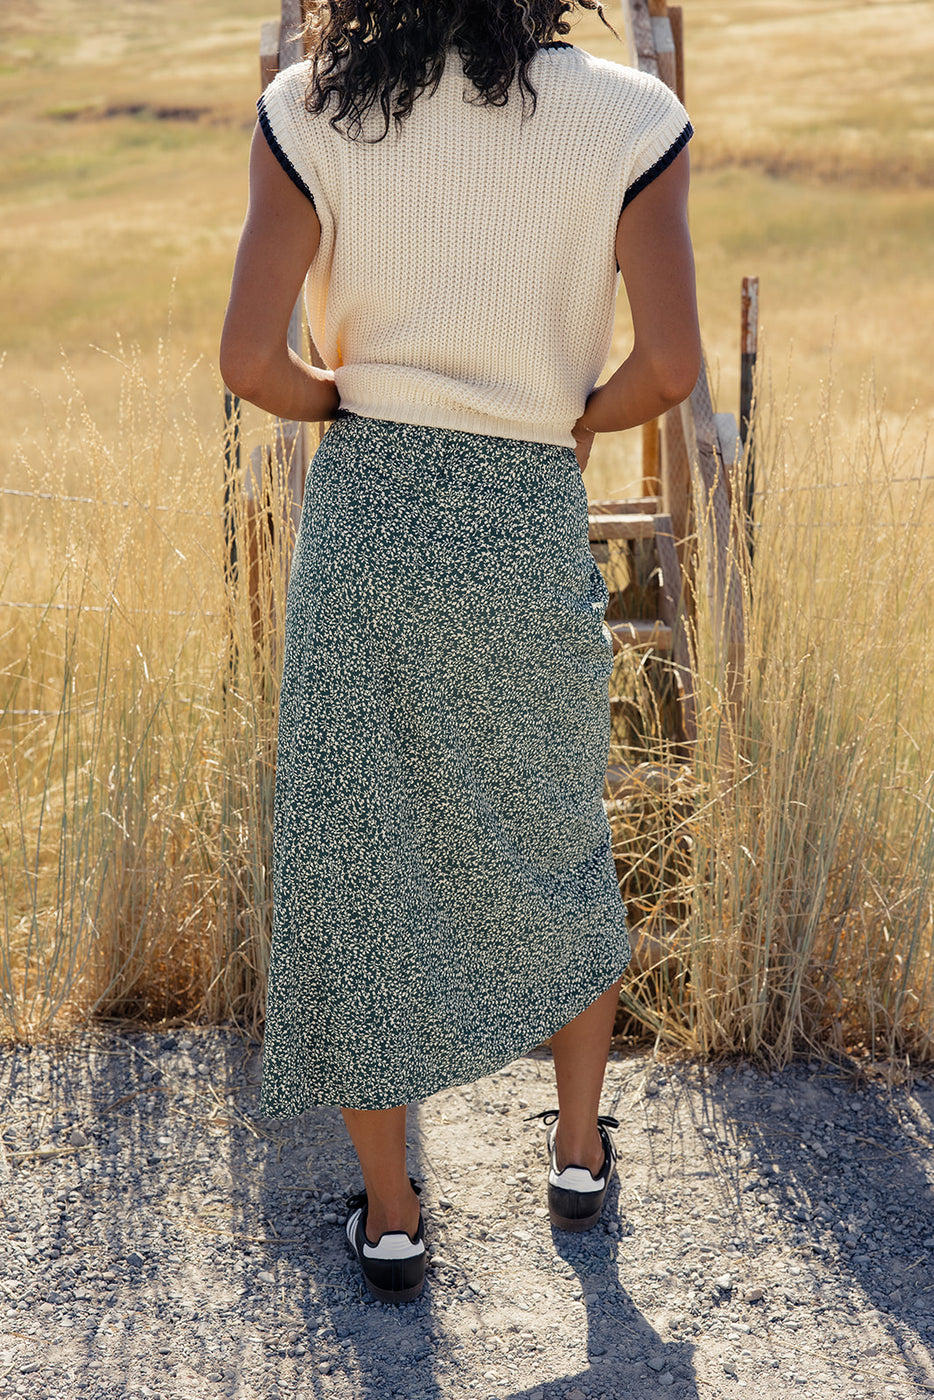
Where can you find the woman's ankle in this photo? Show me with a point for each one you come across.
(579, 1148)
(397, 1213)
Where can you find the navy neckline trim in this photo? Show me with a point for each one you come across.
(279, 153)
(661, 164)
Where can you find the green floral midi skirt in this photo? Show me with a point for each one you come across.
(444, 892)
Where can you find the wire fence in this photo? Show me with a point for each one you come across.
(93, 608)
(106, 501)
(217, 515)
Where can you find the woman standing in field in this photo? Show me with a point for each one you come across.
(457, 189)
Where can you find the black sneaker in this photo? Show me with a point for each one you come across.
(393, 1267)
(575, 1195)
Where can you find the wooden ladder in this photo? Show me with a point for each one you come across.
(642, 527)
(641, 537)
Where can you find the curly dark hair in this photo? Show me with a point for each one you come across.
(384, 53)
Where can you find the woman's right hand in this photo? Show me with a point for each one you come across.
(583, 442)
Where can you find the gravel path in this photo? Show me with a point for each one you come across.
(769, 1236)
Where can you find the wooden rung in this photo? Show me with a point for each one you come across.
(634, 525)
(638, 505)
(640, 632)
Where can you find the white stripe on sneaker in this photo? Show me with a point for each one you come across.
(393, 1245)
(575, 1179)
(571, 1178)
(351, 1226)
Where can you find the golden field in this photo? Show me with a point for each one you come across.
(813, 160)
(786, 880)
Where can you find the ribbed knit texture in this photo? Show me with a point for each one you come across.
(466, 275)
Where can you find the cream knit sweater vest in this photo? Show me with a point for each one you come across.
(466, 274)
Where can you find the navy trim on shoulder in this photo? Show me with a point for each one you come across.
(280, 154)
(662, 164)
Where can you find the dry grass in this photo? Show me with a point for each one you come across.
(781, 890)
(813, 169)
(137, 748)
(111, 215)
(784, 885)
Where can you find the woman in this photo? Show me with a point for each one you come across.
(456, 189)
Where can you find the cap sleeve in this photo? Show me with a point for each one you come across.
(287, 127)
(663, 129)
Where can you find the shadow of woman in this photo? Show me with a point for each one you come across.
(626, 1355)
(424, 1346)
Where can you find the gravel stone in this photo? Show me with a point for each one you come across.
(216, 1259)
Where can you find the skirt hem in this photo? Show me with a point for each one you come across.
(504, 1056)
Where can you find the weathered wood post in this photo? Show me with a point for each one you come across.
(688, 458)
(749, 344)
(274, 482)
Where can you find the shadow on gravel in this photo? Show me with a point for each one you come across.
(847, 1180)
(617, 1331)
(158, 1231)
(382, 1351)
(378, 1350)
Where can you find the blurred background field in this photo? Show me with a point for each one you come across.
(125, 128)
(783, 886)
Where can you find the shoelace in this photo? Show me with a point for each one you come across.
(358, 1199)
(550, 1115)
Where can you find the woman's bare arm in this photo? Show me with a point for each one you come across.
(279, 239)
(653, 250)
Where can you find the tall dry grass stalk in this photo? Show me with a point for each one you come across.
(137, 728)
(781, 887)
(786, 881)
